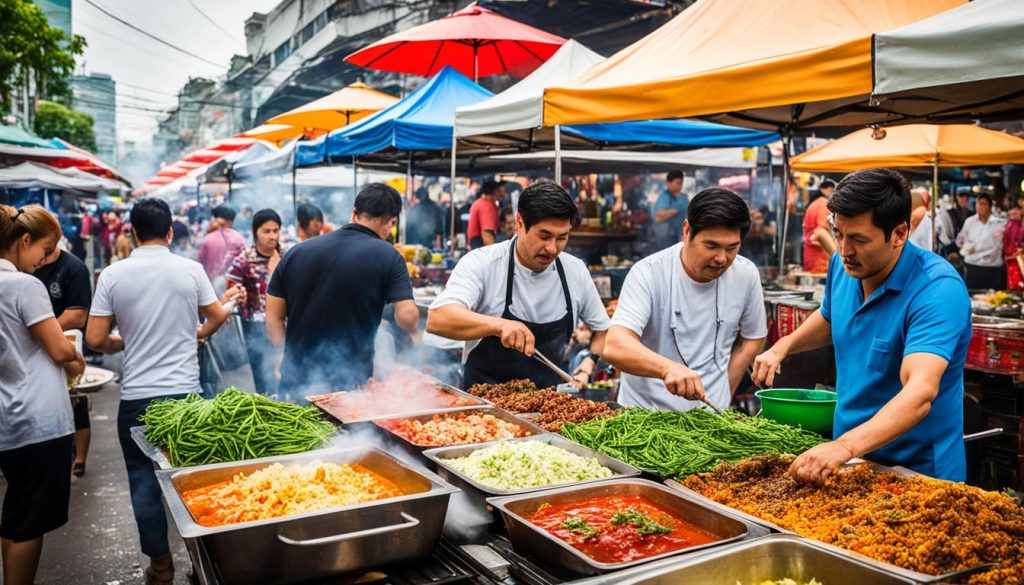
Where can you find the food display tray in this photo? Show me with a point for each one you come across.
(530, 428)
(323, 402)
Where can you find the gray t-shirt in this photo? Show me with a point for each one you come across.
(34, 405)
(688, 321)
(155, 297)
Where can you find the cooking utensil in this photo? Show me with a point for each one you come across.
(554, 368)
(325, 542)
(983, 434)
(534, 542)
(752, 561)
(717, 410)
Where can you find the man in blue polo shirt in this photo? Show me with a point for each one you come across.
(900, 320)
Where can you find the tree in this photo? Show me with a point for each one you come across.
(56, 121)
(32, 49)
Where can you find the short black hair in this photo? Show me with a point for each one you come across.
(378, 200)
(503, 213)
(827, 183)
(883, 192)
(547, 200)
(718, 207)
(151, 219)
(984, 196)
(306, 213)
(673, 175)
(263, 216)
(422, 194)
(224, 212)
(489, 187)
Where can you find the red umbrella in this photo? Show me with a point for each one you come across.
(473, 40)
(233, 143)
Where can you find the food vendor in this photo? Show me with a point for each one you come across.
(900, 320)
(510, 299)
(690, 318)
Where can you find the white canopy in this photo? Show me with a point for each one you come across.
(976, 42)
(30, 175)
(730, 158)
(521, 107)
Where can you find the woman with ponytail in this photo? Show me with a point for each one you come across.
(36, 363)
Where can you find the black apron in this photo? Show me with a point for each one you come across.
(492, 363)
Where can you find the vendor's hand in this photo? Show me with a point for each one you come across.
(516, 335)
(766, 366)
(580, 380)
(818, 463)
(683, 382)
(235, 293)
(75, 368)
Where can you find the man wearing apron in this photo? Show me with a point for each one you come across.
(512, 299)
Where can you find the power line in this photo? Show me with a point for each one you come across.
(170, 59)
(151, 35)
(214, 22)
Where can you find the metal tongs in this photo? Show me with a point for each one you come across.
(554, 368)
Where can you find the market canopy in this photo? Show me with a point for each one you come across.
(474, 40)
(31, 175)
(15, 135)
(764, 64)
(914, 145)
(276, 133)
(971, 55)
(336, 110)
(516, 115)
(424, 120)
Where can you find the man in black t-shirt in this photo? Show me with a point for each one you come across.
(331, 292)
(67, 281)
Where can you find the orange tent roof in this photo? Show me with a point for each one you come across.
(753, 59)
(916, 145)
(337, 109)
(275, 133)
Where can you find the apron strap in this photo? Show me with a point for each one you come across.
(568, 298)
(511, 274)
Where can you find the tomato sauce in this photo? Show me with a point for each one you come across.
(619, 529)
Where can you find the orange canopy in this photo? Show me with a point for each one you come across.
(750, 59)
(916, 145)
(337, 109)
(276, 133)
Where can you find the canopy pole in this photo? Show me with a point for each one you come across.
(558, 154)
(295, 194)
(408, 199)
(451, 189)
(771, 184)
(476, 63)
(355, 177)
(934, 205)
(787, 135)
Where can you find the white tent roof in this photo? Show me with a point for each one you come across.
(731, 158)
(978, 41)
(521, 106)
(30, 175)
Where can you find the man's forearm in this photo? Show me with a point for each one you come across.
(487, 236)
(742, 356)
(663, 215)
(455, 321)
(275, 331)
(112, 344)
(626, 352)
(72, 319)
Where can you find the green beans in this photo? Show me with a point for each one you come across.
(234, 426)
(678, 444)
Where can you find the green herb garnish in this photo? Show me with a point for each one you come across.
(643, 524)
(578, 526)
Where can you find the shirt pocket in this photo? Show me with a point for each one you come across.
(880, 354)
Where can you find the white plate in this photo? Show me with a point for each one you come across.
(94, 377)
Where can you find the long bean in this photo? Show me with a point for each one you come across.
(678, 444)
(234, 425)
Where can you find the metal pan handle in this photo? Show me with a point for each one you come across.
(409, 522)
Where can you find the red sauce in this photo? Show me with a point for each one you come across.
(610, 539)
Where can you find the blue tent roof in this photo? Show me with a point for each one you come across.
(684, 133)
(423, 120)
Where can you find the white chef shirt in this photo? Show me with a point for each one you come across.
(34, 405)
(155, 297)
(922, 235)
(674, 314)
(478, 282)
(981, 244)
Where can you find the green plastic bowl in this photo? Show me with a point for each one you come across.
(811, 409)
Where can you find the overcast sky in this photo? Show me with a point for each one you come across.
(149, 74)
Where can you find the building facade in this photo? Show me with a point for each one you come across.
(96, 95)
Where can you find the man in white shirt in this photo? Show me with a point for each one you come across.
(691, 318)
(156, 298)
(512, 299)
(981, 245)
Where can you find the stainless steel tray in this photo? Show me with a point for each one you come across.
(479, 492)
(499, 413)
(536, 542)
(321, 543)
(912, 576)
(322, 402)
(750, 562)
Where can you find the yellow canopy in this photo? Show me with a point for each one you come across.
(753, 59)
(915, 145)
(276, 133)
(337, 109)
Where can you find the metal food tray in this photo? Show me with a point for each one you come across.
(913, 576)
(323, 403)
(535, 542)
(499, 413)
(479, 492)
(320, 543)
(772, 557)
